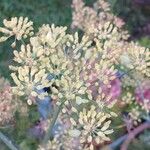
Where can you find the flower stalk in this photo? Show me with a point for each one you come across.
(48, 134)
(7, 142)
(127, 138)
(133, 134)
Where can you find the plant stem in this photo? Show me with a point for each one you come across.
(133, 134)
(48, 135)
(117, 142)
(22, 41)
(125, 73)
(7, 142)
(127, 137)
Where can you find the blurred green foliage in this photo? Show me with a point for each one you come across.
(40, 11)
(135, 17)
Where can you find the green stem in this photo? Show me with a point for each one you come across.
(7, 141)
(48, 135)
(22, 41)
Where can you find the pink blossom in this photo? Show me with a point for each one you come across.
(143, 93)
(115, 85)
(114, 90)
(119, 22)
(7, 92)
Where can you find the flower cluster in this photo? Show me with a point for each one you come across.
(88, 19)
(51, 145)
(92, 127)
(18, 27)
(136, 57)
(29, 81)
(82, 75)
(70, 67)
(136, 100)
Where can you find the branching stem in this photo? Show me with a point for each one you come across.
(133, 134)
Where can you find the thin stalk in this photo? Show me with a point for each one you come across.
(133, 134)
(125, 73)
(7, 142)
(48, 135)
(22, 41)
(118, 142)
(127, 138)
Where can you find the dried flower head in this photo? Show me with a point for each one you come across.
(29, 81)
(51, 145)
(136, 57)
(28, 55)
(18, 27)
(51, 35)
(88, 19)
(92, 127)
(37, 66)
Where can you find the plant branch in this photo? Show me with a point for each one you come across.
(133, 134)
(117, 142)
(127, 137)
(48, 135)
(7, 142)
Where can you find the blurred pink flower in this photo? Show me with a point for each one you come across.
(6, 105)
(142, 93)
(7, 92)
(119, 22)
(114, 90)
